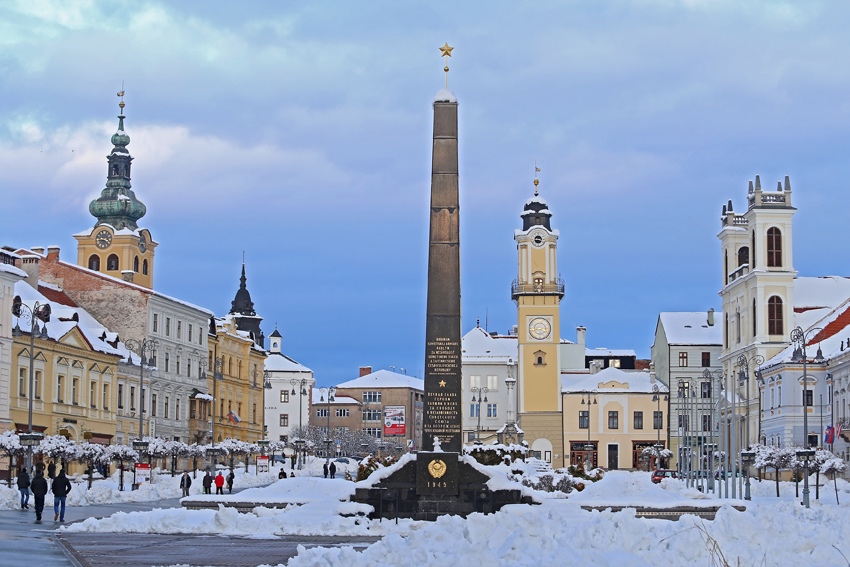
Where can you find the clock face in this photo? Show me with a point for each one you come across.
(539, 328)
(537, 240)
(143, 243)
(103, 239)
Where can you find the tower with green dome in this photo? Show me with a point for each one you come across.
(116, 245)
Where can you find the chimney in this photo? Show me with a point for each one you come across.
(711, 317)
(364, 370)
(595, 366)
(38, 250)
(52, 253)
(581, 336)
(29, 264)
(127, 275)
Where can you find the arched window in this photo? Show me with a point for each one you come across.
(774, 316)
(743, 256)
(94, 262)
(145, 267)
(774, 247)
(112, 262)
(136, 264)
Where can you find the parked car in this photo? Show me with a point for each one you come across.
(663, 473)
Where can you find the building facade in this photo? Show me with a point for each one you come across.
(9, 276)
(287, 402)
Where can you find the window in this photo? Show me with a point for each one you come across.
(254, 413)
(105, 401)
(779, 396)
(165, 408)
(342, 412)
(22, 382)
(371, 397)
(178, 365)
(755, 318)
(706, 359)
(706, 422)
(705, 390)
(774, 248)
(74, 385)
(371, 415)
(774, 316)
(155, 322)
(179, 329)
(94, 263)
(153, 405)
(613, 362)
(284, 438)
(189, 339)
(613, 420)
(808, 397)
(284, 420)
(168, 326)
(136, 264)
(743, 256)
(36, 391)
(492, 383)
(284, 396)
(323, 412)
(60, 390)
(475, 381)
(474, 409)
(684, 389)
(657, 420)
(584, 419)
(145, 267)
(167, 358)
(373, 432)
(92, 394)
(684, 423)
(112, 263)
(492, 410)
(470, 437)
(683, 359)
(132, 398)
(638, 420)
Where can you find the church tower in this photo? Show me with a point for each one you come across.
(538, 291)
(758, 281)
(116, 245)
(242, 310)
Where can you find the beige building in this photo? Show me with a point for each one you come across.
(611, 416)
(9, 276)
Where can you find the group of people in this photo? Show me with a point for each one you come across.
(330, 469)
(208, 482)
(60, 486)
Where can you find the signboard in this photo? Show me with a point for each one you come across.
(143, 472)
(393, 420)
(262, 464)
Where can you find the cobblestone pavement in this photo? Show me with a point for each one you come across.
(137, 550)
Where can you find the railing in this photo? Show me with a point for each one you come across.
(742, 271)
(523, 288)
(737, 220)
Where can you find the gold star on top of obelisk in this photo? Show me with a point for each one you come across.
(446, 51)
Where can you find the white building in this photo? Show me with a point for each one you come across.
(287, 403)
(9, 275)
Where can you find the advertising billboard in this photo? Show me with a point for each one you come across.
(393, 420)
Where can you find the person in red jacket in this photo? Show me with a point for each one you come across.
(219, 483)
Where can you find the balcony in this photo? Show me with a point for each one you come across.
(523, 288)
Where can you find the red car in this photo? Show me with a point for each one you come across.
(663, 473)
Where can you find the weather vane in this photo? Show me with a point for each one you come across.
(446, 51)
(121, 94)
(536, 181)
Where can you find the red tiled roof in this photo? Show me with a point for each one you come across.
(56, 296)
(836, 325)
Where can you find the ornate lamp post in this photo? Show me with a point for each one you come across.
(590, 396)
(656, 397)
(144, 349)
(302, 391)
(482, 396)
(329, 392)
(799, 338)
(267, 385)
(35, 314)
(744, 377)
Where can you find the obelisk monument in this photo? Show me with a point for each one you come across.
(442, 411)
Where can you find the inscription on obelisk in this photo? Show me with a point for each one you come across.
(442, 415)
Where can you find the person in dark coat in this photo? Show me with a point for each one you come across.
(24, 487)
(282, 473)
(61, 487)
(325, 469)
(230, 478)
(185, 483)
(219, 483)
(207, 483)
(332, 469)
(39, 490)
(51, 470)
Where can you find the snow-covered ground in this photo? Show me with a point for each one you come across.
(772, 531)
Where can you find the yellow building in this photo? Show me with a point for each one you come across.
(611, 416)
(538, 291)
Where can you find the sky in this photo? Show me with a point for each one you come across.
(299, 134)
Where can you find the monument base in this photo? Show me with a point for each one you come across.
(434, 485)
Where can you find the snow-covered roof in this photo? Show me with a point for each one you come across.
(10, 269)
(611, 380)
(692, 328)
(601, 351)
(319, 397)
(385, 379)
(279, 362)
(479, 346)
(445, 95)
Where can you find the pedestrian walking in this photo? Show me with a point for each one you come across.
(325, 469)
(292, 460)
(51, 470)
(185, 483)
(230, 478)
(39, 490)
(61, 487)
(24, 487)
(219, 483)
(333, 469)
(207, 482)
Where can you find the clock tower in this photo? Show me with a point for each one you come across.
(116, 245)
(538, 291)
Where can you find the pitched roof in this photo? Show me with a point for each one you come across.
(385, 379)
(691, 328)
(636, 382)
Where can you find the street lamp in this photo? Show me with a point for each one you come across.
(302, 391)
(144, 349)
(799, 338)
(656, 397)
(218, 365)
(747, 459)
(744, 377)
(329, 392)
(36, 313)
(482, 396)
(590, 396)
